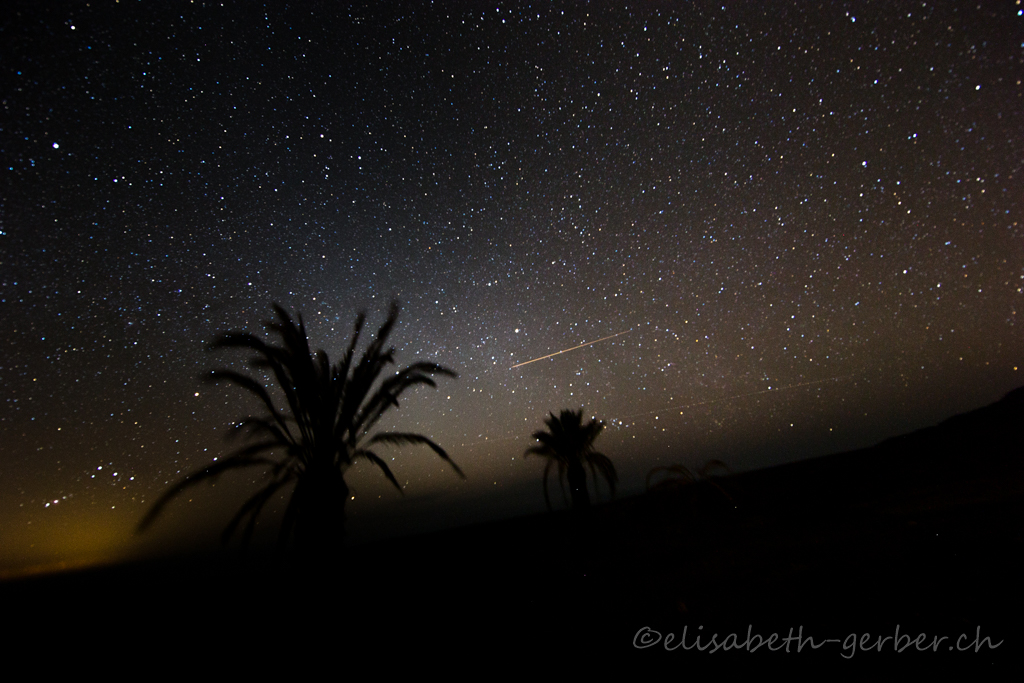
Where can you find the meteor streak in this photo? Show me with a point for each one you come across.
(579, 346)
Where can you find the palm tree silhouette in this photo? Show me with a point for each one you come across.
(677, 477)
(569, 443)
(326, 427)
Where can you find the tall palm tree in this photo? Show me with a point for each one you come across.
(326, 427)
(569, 443)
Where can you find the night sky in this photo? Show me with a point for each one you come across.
(806, 220)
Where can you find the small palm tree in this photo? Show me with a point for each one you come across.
(331, 412)
(676, 477)
(569, 443)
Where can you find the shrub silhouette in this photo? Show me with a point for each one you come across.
(569, 443)
(326, 427)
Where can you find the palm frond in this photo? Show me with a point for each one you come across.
(257, 425)
(252, 509)
(545, 451)
(245, 340)
(561, 480)
(248, 383)
(679, 476)
(246, 452)
(676, 474)
(605, 467)
(398, 438)
(379, 462)
(393, 387)
(209, 472)
(547, 471)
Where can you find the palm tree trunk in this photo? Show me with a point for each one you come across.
(577, 477)
(320, 515)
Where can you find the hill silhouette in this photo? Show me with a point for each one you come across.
(922, 531)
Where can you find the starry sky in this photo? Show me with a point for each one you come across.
(802, 221)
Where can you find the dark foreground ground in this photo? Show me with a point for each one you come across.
(900, 560)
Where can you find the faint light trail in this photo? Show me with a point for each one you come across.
(579, 346)
(730, 398)
(488, 441)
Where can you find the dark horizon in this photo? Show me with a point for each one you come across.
(198, 533)
(796, 231)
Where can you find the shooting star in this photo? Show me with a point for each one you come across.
(579, 346)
